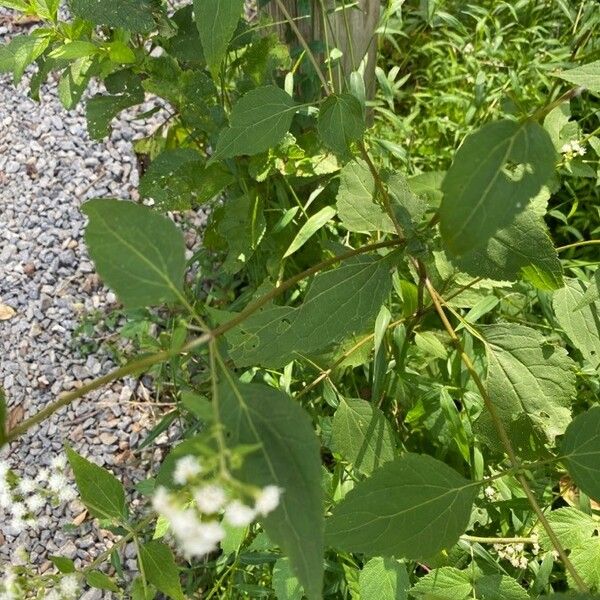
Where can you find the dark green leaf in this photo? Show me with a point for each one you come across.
(413, 507)
(581, 449)
(63, 564)
(134, 15)
(495, 174)
(101, 581)
(160, 569)
(139, 253)
(383, 579)
(587, 76)
(446, 583)
(100, 491)
(285, 583)
(362, 435)
(216, 21)
(259, 120)
(341, 122)
(289, 458)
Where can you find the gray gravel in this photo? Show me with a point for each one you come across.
(48, 167)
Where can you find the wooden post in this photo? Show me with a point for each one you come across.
(351, 30)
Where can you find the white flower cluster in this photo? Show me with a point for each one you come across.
(515, 553)
(573, 149)
(67, 589)
(9, 586)
(24, 499)
(196, 525)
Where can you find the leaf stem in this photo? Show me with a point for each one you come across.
(577, 244)
(501, 430)
(498, 540)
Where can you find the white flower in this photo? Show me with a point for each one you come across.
(69, 585)
(57, 482)
(43, 474)
(35, 502)
(572, 148)
(523, 562)
(27, 485)
(468, 49)
(59, 462)
(67, 494)
(210, 498)
(18, 510)
(489, 492)
(3, 469)
(238, 514)
(186, 468)
(18, 525)
(161, 501)
(268, 500)
(52, 595)
(5, 499)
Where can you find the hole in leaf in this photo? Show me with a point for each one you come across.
(516, 171)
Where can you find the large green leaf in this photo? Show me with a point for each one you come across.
(134, 15)
(495, 173)
(285, 583)
(216, 21)
(138, 253)
(100, 491)
(580, 323)
(587, 76)
(383, 579)
(581, 451)
(288, 457)
(341, 122)
(520, 250)
(160, 569)
(530, 382)
(21, 52)
(413, 507)
(446, 583)
(362, 435)
(340, 302)
(259, 120)
(355, 201)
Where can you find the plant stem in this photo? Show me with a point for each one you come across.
(501, 430)
(577, 244)
(499, 540)
(143, 364)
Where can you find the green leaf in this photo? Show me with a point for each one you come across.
(413, 508)
(383, 579)
(495, 174)
(362, 435)
(285, 583)
(499, 587)
(216, 21)
(309, 228)
(587, 76)
(581, 451)
(579, 534)
(179, 180)
(446, 583)
(76, 49)
(530, 382)
(289, 457)
(520, 250)
(134, 15)
(355, 201)
(341, 122)
(101, 581)
(160, 569)
(259, 120)
(138, 253)
(340, 302)
(100, 491)
(63, 564)
(580, 323)
(22, 50)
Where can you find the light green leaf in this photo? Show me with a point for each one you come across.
(587, 76)
(100, 491)
(341, 122)
(446, 583)
(21, 52)
(580, 323)
(259, 120)
(520, 250)
(76, 49)
(339, 303)
(120, 53)
(355, 201)
(495, 174)
(63, 564)
(101, 581)
(383, 579)
(134, 15)
(309, 228)
(138, 253)
(20, 5)
(362, 435)
(581, 449)
(289, 457)
(160, 569)
(430, 344)
(216, 21)
(74, 81)
(530, 381)
(499, 587)
(285, 583)
(413, 508)
(46, 9)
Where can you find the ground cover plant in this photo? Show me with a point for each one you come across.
(383, 359)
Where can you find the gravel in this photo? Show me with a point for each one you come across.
(48, 167)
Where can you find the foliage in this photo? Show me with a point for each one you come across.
(383, 358)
